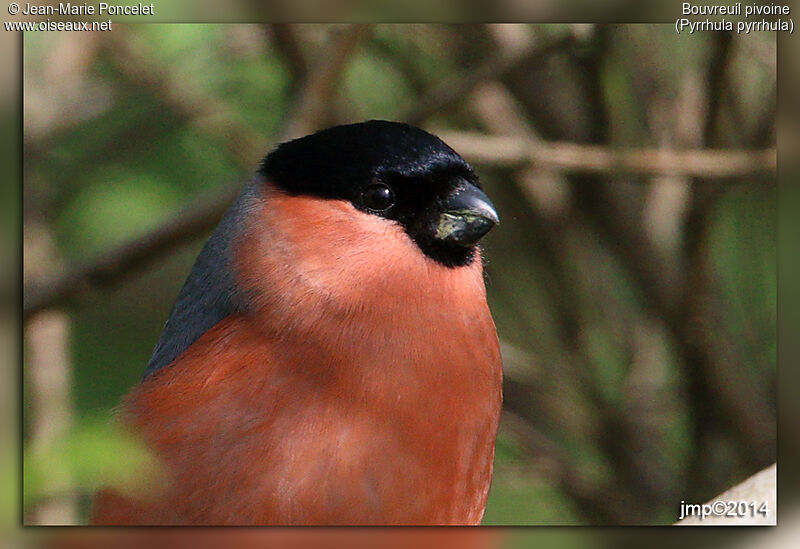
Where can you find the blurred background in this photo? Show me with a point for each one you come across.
(632, 281)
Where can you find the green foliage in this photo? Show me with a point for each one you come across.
(93, 455)
(118, 204)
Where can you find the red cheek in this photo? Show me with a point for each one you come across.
(324, 256)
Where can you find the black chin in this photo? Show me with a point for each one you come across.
(449, 255)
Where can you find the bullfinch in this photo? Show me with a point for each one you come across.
(331, 357)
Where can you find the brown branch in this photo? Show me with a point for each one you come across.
(717, 397)
(111, 267)
(601, 502)
(285, 40)
(179, 100)
(606, 207)
(717, 79)
(602, 206)
(696, 360)
(314, 105)
(512, 152)
(457, 88)
(407, 65)
(133, 58)
(48, 376)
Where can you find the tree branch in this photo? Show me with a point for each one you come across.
(602, 503)
(284, 38)
(111, 267)
(513, 152)
(133, 58)
(313, 106)
(454, 90)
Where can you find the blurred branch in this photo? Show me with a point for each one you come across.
(454, 90)
(696, 361)
(514, 152)
(602, 200)
(717, 78)
(714, 391)
(48, 374)
(553, 217)
(285, 40)
(548, 219)
(765, 130)
(312, 108)
(603, 204)
(133, 58)
(602, 503)
(110, 268)
(407, 65)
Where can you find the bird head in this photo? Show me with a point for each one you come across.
(357, 223)
(398, 173)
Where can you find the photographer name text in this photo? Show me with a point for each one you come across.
(102, 8)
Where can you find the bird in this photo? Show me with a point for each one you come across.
(331, 358)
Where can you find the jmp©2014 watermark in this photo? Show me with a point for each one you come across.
(721, 508)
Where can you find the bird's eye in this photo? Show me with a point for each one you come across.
(378, 197)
